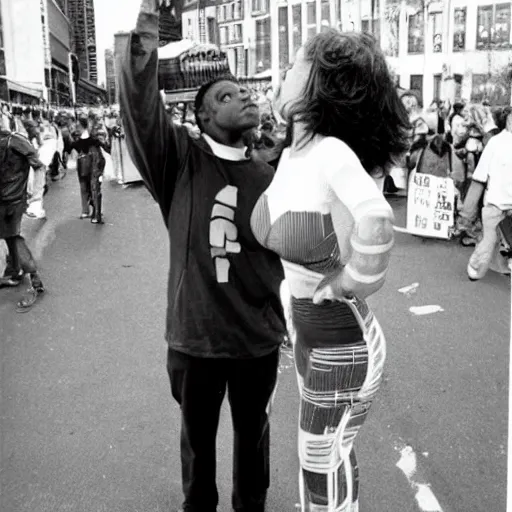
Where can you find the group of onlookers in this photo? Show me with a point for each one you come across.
(469, 143)
(33, 151)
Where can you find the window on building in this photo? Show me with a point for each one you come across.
(237, 32)
(484, 88)
(238, 10)
(311, 19)
(284, 50)
(263, 45)
(223, 33)
(493, 27)
(417, 85)
(366, 26)
(224, 12)
(213, 34)
(459, 29)
(436, 22)
(416, 34)
(260, 6)
(325, 10)
(297, 27)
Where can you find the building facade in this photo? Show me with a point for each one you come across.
(81, 15)
(455, 49)
(110, 73)
(57, 47)
(199, 21)
(22, 55)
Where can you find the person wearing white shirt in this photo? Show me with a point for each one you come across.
(495, 169)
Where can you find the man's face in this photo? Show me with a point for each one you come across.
(230, 108)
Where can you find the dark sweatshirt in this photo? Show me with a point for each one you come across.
(223, 289)
(17, 155)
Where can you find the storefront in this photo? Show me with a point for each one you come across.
(20, 93)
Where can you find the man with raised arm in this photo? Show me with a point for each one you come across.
(225, 321)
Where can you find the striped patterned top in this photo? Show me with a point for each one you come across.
(329, 222)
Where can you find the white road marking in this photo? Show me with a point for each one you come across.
(425, 310)
(425, 497)
(409, 290)
(45, 236)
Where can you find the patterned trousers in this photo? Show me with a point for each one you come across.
(337, 385)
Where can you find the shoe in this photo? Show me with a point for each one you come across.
(12, 281)
(472, 273)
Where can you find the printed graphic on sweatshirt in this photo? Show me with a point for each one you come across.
(223, 232)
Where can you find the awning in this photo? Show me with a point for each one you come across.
(24, 88)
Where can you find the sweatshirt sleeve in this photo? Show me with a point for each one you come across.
(158, 148)
(370, 232)
(22, 146)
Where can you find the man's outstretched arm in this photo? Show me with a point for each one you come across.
(156, 146)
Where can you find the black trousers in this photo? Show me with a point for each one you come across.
(199, 386)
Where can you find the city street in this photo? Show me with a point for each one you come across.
(87, 421)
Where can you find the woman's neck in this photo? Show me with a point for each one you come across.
(301, 139)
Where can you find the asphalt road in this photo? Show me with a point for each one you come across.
(87, 422)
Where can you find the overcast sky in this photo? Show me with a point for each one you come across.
(112, 16)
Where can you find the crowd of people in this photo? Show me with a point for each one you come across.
(459, 141)
(35, 148)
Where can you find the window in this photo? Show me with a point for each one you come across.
(213, 36)
(436, 20)
(366, 26)
(416, 34)
(417, 85)
(493, 27)
(485, 89)
(326, 15)
(260, 6)
(284, 55)
(297, 27)
(237, 32)
(263, 45)
(311, 19)
(223, 33)
(459, 29)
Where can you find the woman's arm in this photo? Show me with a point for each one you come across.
(363, 222)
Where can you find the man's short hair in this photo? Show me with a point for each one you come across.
(199, 100)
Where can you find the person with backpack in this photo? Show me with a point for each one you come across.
(225, 321)
(17, 156)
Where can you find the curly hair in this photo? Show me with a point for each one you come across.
(350, 95)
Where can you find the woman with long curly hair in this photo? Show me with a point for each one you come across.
(328, 220)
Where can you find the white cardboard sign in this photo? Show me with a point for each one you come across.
(430, 205)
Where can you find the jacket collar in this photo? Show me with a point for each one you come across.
(226, 152)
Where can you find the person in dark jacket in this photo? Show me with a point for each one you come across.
(90, 167)
(17, 155)
(225, 320)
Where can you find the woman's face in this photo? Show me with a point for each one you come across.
(293, 84)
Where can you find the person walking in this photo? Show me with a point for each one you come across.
(37, 179)
(225, 321)
(90, 167)
(494, 175)
(328, 220)
(17, 156)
